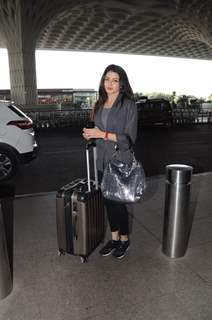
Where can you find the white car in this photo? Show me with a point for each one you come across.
(17, 139)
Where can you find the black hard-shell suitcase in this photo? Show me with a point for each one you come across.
(80, 214)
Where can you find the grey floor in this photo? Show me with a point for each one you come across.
(146, 284)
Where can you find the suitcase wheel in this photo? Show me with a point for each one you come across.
(83, 259)
(60, 252)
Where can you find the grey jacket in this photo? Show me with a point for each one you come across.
(122, 120)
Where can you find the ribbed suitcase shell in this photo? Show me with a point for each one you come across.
(80, 218)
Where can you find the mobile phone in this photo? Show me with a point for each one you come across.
(90, 125)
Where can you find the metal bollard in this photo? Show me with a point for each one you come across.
(6, 240)
(177, 221)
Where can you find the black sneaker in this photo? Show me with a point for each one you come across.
(121, 249)
(110, 246)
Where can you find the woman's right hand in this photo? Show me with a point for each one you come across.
(85, 135)
(93, 133)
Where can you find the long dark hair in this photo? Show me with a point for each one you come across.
(125, 88)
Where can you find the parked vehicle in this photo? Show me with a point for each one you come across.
(154, 112)
(17, 139)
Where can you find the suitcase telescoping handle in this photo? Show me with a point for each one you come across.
(91, 144)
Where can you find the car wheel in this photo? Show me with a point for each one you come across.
(8, 164)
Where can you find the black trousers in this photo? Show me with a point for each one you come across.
(117, 214)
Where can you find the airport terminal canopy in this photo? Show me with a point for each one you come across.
(174, 28)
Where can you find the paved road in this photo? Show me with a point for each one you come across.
(62, 158)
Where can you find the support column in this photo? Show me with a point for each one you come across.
(22, 75)
(19, 32)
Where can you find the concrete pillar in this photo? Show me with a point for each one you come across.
(20, 39)
(22, 76)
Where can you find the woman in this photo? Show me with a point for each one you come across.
(115, 117)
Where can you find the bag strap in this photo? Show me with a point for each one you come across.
(130, 144)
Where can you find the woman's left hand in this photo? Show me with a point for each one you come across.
(93, 133)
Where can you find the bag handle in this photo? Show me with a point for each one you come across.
(116, 147)
(130, 143)
(91, 144)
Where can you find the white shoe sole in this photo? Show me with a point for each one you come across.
(107, 254)
(121, 257)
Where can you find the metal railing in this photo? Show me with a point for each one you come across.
(59, 118)
(191, 116)
(75, 118)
